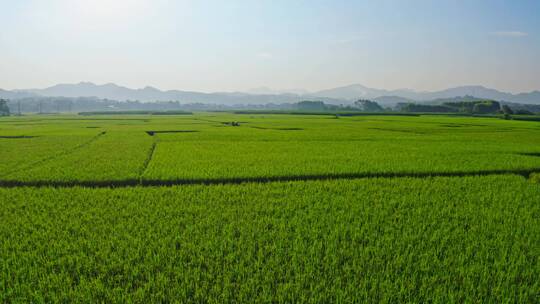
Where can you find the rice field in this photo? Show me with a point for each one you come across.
(271, 208)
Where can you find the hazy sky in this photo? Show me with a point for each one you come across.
(232, 45)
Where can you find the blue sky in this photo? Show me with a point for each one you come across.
(238, 45)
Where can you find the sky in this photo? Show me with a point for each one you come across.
(234, 45)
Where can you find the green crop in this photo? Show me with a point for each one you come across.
(392, 240)
(260, 207)
(205, 147)
(107, 157)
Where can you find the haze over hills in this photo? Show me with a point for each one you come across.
(360, 91)
(270, 91)
(15, 94)
(340, 95)
(149, 94)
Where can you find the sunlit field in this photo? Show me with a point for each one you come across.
(222, 207)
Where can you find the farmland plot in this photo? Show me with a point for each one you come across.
(346, 146)
(284, 208)
(228, 160)
(110, 156)
(21, 151)
(368, 240)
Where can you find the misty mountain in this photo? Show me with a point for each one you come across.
(270, 91)
(340, 95)
(4, 94)
(351, 92)
(355, 91)
(532, 97)
(149, 94)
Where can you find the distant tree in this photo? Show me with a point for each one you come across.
(506, 109)
(486, 107)
(423, 108)
(474, 106)
(4, 109)
(400, 106)
(311, 105)
(368, 105)
(523, 112)
(461, 106)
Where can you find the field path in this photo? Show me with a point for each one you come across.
(148, 158)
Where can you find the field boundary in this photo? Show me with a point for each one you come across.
(17, 136)
(152, 133)
(148, 159)
(277, 128)
(242, 180)
(534, 154)
(60, 154)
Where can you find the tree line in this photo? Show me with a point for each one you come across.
(4, 109)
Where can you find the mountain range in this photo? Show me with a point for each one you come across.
(359, 91)
(340, 95)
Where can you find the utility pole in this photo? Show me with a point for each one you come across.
(19, 107)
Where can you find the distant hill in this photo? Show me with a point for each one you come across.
(270, 91)
(340, 95)
(355, 91)
(4, 94)
(148, 94)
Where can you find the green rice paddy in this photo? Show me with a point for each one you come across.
(275, 209)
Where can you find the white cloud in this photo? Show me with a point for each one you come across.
(510, 34)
